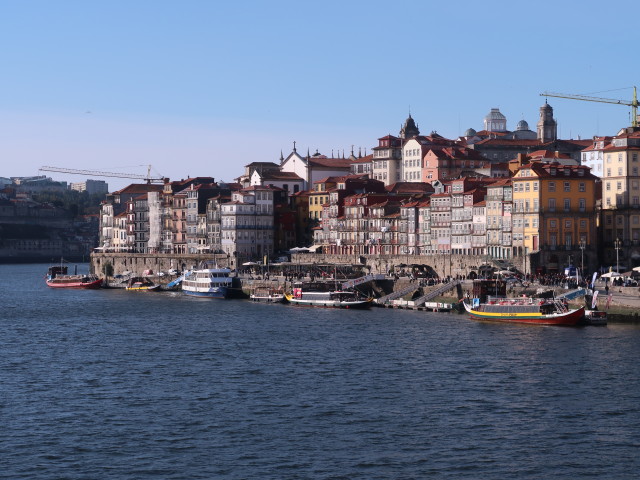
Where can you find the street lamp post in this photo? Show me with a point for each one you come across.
(617, 247)
(582, 245)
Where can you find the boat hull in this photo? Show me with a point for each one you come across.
(570, 318)
(220, 292)
(151, 288)
(356, 304)
(85, 285)
(267, 298)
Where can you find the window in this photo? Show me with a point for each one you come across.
(567, 224)
(608, 172)
(619, 186)
(583, 204)
(535, 186)
(608, 186)
(552, 223)
(567, 187)
(552, 186)
(552, 204)
(620, 171)
(567, 204)
(582, 187)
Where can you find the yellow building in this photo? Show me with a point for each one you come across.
(319, 196)
(553, 217)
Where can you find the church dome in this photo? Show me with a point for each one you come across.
(470, 132)
(495, 114)
(522, 125)
(495, 121)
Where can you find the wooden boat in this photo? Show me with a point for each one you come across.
(57, 278)
(267, 295)
(524, 310)
(208, 282)
(142, 284)
(595, 317)
(320, 295)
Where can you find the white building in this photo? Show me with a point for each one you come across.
(90, 186)
(593, 156)
(313, 168)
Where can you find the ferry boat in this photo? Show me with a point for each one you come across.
(319, 295)
(57, 278)
(208, 282)
(142, 284)
(537, 311)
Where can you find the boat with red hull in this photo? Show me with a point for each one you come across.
(57, 278)
(534, 311)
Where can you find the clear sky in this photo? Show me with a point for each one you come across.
(197, 87)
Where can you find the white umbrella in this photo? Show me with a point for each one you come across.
(611, 275)
(636, 269)
(246, 264)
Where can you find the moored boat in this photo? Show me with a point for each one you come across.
(208, 282)
(57, 278)
(595, 317)
(319, 295)
(524, 310)
(142, 284)
(267, 295)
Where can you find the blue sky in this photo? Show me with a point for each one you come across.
(204, 87)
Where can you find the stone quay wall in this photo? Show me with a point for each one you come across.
(137, 263)
(442, 265)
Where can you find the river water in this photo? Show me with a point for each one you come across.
(115, 384)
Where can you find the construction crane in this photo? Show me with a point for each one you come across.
(633, 103)
(93, 173)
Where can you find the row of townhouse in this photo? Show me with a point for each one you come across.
(544, 214)
(198, 216)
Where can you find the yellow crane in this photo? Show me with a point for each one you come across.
(633, 103)
(93, 173)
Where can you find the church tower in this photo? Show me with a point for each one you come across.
(547, 126)
(410, 129)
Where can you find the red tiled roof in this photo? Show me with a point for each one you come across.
(410, 187)
(330, 162)
(278, 175)
(510, 141)
(500, 183)
(139, 188)
(547, 154)
(365, 159)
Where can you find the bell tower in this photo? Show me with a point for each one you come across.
(547, 126)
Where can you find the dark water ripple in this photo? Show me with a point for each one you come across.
(110, 384)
